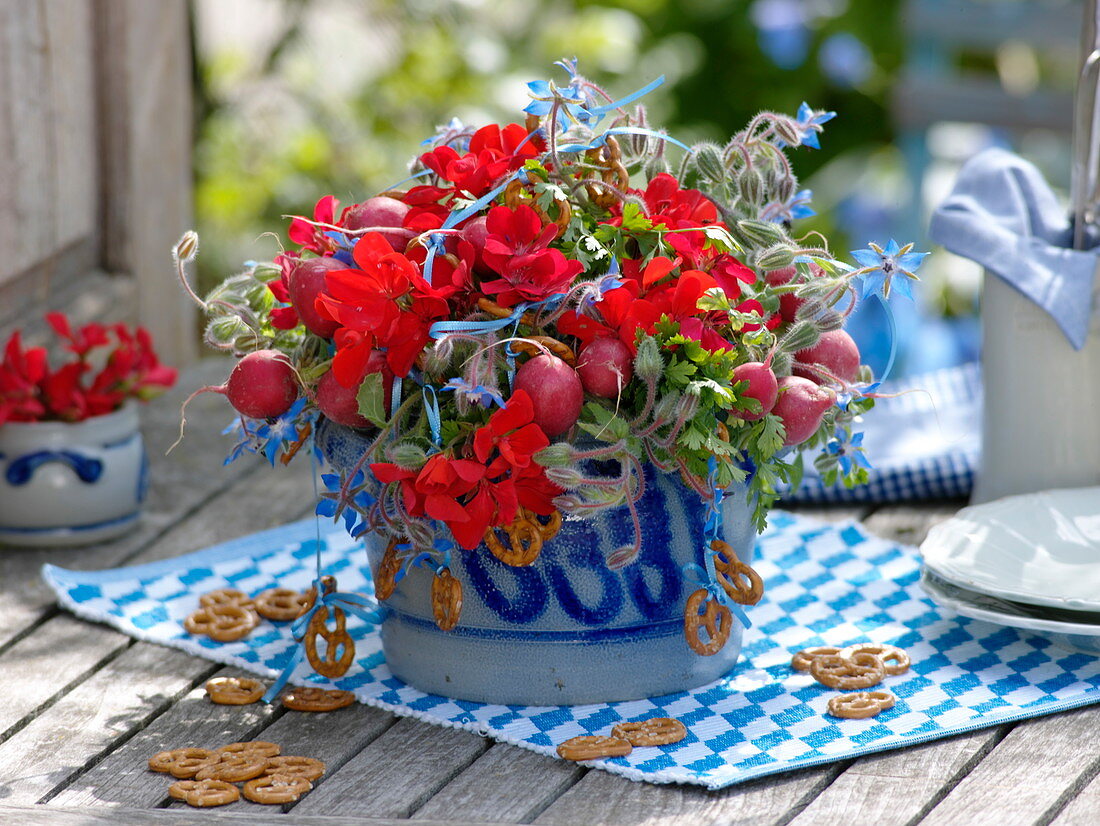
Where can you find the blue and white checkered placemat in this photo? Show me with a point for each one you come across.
(922, 444)
(827, 585)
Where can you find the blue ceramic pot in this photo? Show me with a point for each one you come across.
(565, 629)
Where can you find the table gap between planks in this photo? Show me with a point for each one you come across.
(85, 706)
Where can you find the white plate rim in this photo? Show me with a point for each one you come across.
(1013, 594)
(972, 611)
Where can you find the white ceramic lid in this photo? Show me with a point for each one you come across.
(1039, 548)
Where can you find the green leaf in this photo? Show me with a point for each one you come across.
(371, 397)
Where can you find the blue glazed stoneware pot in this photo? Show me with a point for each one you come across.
(565, 629)
(71, 484)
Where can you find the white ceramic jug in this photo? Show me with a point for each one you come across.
(1041, 419)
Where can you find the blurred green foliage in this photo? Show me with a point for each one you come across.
(338, 98)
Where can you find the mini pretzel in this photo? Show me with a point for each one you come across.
(339, 646)
(614, 173)
(276, 789)
(234, 768)
(715, 618)
(328, 586)
(204, 793)
(529, 345)
(893, 658)
(181, 763)
(804, 658)
(292, 766)
(446, 600)
(513, 198)
(740, 581)
(224, 622)
(657, 731)
(593, 747)
(487, 305)
(234, 691)
(860, 705)
(526, 536)
(385, 581)
(311, 698)
(261, 747)
(225, 596)
(859, 671)
(280, 604)
(291, 451)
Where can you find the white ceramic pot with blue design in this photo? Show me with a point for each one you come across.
(565, 629)
(71, 484)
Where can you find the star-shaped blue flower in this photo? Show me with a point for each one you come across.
(573, 102)
(810, 123)
(798, 206)
(349, 503)
(475, 394)
(849, 451)
(880, 267)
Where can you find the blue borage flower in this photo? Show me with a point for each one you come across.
(350, 504)
(881, 266)
(475, 394)
(270, 438)
(797, 206)
(848, 450)
(810, 123)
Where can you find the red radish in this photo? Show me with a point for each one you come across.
(338, 403)
(307, 281)
(262, 385)
(801, 406)
(381, 211)
(605, 367)
(762, 386)
(555, 390)
(837, 354)
(477, 233)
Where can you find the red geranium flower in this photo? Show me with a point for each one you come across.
(518, 250)
(385, 303)
(313, 238)
(493, 152)
(283, 318)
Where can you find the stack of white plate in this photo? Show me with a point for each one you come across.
(1030, 562)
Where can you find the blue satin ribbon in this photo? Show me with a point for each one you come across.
(431, 406)
(600, 111)
(362, 607)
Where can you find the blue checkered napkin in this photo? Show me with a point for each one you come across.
(827, 584)
(922, 445)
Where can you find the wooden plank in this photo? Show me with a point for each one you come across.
(897, 787)
(122, 778)
(965, 22)
(397, 773)
(27, 210)
(111, 704)
(71, 105)
(1029, 775)
(918, 101)
(53, 816)
(1082, 808)
(180, 483)
(144, 74)
(909, 524)
(505, 783)
(43, 665)
(604, 799)
(333, 738)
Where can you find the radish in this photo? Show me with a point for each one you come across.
(762, 386)
(307, 281)
(477, 233)
(381, 211)
(262, 385)
(801, 406)
(605, 367)
(837, 355)
(339, 403)
(555, 390)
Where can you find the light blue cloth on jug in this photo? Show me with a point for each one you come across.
(1003, 214)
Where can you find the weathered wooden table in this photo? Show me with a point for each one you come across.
(82, 707)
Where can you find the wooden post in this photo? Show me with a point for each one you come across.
(143, 73)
